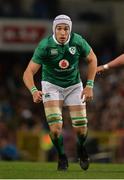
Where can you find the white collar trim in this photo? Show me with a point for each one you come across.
(54, 38)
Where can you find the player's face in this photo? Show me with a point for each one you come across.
(62, 33)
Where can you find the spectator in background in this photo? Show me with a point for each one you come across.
(8, 151)
(40, 9)
(53, 6)
(10, 8)
(45, 9)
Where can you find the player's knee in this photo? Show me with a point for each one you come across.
(56, 129)
(81, 130)
(56, 132)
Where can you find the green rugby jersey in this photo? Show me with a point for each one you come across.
(60, 63)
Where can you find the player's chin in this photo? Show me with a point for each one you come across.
(62, 41)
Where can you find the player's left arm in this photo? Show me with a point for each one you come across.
(92, 65)
(91, 73)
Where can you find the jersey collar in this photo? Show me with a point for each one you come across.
(54, 38)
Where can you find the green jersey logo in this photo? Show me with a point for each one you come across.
(72, 50)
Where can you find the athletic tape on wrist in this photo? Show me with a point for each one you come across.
(105, 66)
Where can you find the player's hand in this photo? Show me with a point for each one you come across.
(37, 96)
(100, 69)
(87, 94)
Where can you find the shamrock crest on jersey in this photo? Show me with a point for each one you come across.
(63, 64)
(72, 50)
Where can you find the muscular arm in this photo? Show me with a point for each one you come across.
(28, 78)
(87, 93)
(29, 73)
(92, 65)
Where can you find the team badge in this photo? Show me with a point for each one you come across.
(63, 64)
(54, 51)
(72, 50)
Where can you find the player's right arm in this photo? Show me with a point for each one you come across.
(112, 64)
(28, 78)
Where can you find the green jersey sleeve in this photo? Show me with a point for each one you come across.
(83, 45)
(40, 52)
(86, 47)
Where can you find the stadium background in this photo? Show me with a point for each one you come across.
(23, 131)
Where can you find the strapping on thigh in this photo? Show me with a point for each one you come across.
(53, 115)
(54, 118)
(78, 117)
(79, 121)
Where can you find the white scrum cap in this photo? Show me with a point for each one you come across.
(62, 19)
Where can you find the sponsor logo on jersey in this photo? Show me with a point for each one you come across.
(54, 51)
(72, 50)
(63, 64)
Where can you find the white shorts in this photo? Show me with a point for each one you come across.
(70, 95)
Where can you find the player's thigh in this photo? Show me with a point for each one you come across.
(53, 102)
(78, 116)
(77, 108)
(53, 111)
(73, 95)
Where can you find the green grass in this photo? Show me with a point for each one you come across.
(41, 170)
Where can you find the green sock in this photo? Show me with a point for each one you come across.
(80, 144)
(81, 139)
(58, 143)
(81, 149)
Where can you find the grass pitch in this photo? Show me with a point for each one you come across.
(45, 170)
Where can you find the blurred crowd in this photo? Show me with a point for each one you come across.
(43, 9)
